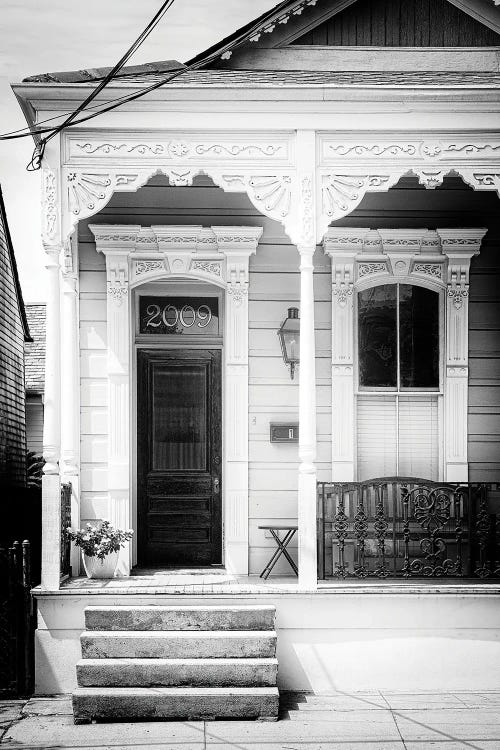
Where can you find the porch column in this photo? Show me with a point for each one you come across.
(342, 245)
(118, 337)
(460, 246)
(70, 397)
(51, 485)
(307, 424)
(237, 244)
(116, 243)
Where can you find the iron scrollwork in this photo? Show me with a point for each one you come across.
(406, 527)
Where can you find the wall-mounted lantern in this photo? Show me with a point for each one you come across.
(289, 335)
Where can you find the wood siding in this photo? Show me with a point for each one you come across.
(34, 424)
(12, 395)
(273, 397)
(401, 23)
(274, 286)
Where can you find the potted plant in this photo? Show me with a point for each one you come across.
(100, 546)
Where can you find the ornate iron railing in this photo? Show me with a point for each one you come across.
(404, 527)
(65, 522)
(17, 621)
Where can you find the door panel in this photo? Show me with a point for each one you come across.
(179, 457)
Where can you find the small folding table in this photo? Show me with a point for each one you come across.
(290, 532)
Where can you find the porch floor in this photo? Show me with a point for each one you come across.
(182, 581)
(217, 581)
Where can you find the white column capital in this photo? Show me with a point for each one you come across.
(237, 240)
(344, 241)
(53, 253)
(112, 237)
(461, 242)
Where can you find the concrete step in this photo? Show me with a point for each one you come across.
(176, 672)
(176, 644)
(180, 618)
(175, 703)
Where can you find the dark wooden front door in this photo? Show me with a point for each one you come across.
(179, 457)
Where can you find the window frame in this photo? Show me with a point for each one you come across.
(397, 281)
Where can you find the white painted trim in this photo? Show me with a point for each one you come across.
(70, 387)
(220, 256)
(438, 260)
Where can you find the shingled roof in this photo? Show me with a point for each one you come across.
(34, 361)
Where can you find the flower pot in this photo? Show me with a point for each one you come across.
(97, 568)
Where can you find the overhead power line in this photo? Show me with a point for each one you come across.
(72, 118)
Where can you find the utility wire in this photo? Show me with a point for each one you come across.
(222, 52)
(37, 156)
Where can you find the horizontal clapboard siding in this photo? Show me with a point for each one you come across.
(273, 396)
(274, 286)
(34, 424)
(484, 362)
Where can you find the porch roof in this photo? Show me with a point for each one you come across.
(288, 79)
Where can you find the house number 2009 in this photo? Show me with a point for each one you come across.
(171, 316)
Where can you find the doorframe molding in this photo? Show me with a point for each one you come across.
(217, 255)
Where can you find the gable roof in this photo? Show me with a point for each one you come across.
(13, 265)
(289, 20)
(280, 28)
(34, 360)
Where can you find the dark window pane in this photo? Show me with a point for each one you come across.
(418, 337)
(377, 336)
(179, 418)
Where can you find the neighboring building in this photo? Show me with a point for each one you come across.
(343, 159)
(14, 332)
(34, 365)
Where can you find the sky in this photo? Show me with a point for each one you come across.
(39, 36)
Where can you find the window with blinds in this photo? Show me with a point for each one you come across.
(398, 436)
(398, 382)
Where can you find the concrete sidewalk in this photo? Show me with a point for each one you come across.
(358, 721)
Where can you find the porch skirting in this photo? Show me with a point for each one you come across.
(404, 637)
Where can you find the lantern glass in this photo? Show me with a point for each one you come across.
(289, 335)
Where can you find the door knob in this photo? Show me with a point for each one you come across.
(216, 486)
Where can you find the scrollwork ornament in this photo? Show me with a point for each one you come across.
(207, 266)
(274, 193)
(343, 292)
(307, 207)
(147, 266)
(431, 509)
(237, 292)
(360, 534)
(117, 292)
(366, 269)
(237, 149)
(341, 528)
(49, 204)
(381, 528)
(86, 191)
(435, 270)
(458, 294)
